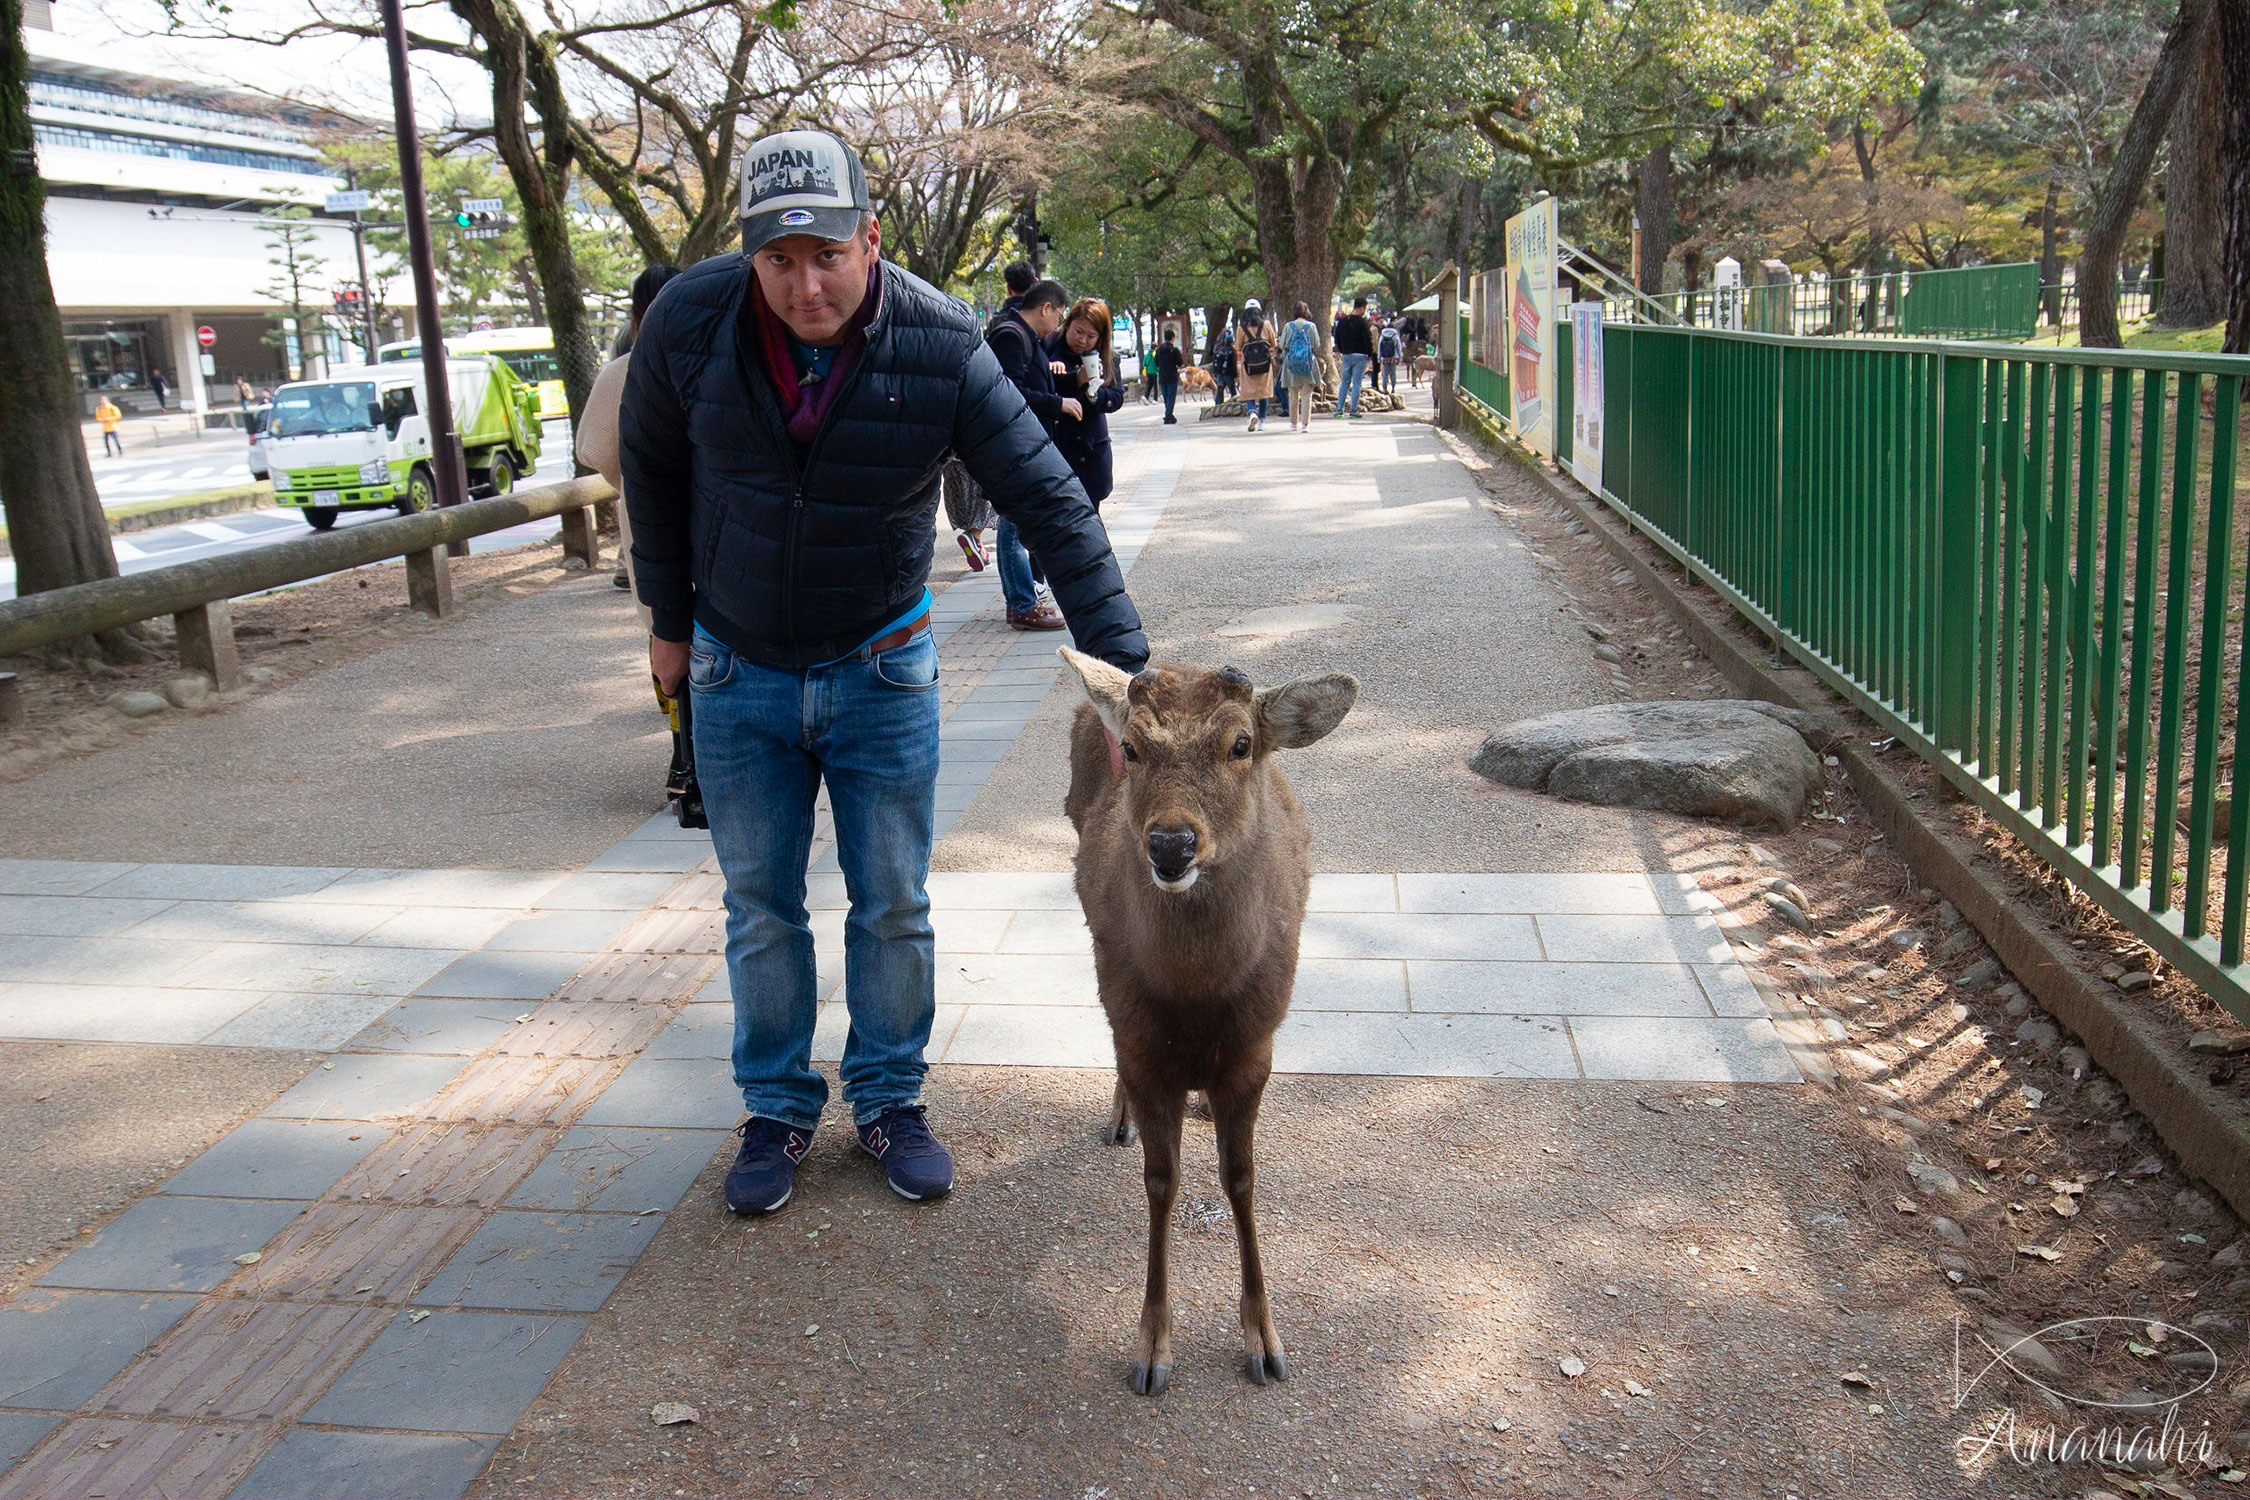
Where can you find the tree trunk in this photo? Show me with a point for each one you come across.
(1471, 211)
(526, 80)
(2194, 278)
(1214, 320)
(2233, 38)
(2128, 177)
(2050, 255)
(1656, 216)
(55, 523)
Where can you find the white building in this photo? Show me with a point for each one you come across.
(153, 230)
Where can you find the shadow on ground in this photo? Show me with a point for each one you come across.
(1437, 1249)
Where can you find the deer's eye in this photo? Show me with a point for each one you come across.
(1132, 756)
(1241, 749)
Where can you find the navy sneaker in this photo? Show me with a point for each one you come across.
(918, 1167)
(765, 1169)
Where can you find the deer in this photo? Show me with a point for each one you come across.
(1193, 868)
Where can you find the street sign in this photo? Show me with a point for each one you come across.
(348, 203)
(206, 335)
(482, 234)
(481, 205)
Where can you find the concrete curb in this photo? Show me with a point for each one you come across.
(2207, 1129)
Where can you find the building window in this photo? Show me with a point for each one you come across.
(148, 145)
(93, 97)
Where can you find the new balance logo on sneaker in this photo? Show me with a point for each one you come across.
(764, 1173)
(913, 1161)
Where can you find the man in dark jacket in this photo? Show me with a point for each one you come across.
(1355, 346)
(784, 421)
(1018, 335)
(1168, 362)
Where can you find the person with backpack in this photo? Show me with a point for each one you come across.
(1300, 366)
(1254, 338)
(1223, 367)
(1018, 335)
(1390, 348)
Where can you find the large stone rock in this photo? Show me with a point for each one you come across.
(1731, 758)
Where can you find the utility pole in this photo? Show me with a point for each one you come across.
(445, 447)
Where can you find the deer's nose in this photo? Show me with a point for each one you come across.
(1171, 851)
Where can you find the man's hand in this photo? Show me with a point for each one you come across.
(1072, 410)
(669, 661)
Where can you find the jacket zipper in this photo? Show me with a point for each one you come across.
(812, 455)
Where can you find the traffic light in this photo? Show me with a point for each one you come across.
(481, 218)
(351, 299)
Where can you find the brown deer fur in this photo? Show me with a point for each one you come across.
(1195, 970)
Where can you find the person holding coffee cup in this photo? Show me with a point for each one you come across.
(1085, 367)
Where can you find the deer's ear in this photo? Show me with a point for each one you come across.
(1297, 713)
(1105, 687)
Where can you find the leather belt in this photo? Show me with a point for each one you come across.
(896, 638)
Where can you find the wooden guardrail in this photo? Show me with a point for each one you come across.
(196, 594)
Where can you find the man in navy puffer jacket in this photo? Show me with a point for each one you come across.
(783, 425)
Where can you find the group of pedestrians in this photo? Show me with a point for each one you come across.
(1058, 355)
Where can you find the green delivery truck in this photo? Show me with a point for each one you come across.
(359, 439)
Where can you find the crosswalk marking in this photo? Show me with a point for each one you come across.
(126, 551)
(212, 531)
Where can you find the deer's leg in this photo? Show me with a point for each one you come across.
(1158, 1114)
(1234, 1106)
(1119, 1130)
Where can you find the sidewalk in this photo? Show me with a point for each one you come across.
(1532, 1114)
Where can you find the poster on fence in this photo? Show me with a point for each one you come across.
(1586, 394)
(1531, 325)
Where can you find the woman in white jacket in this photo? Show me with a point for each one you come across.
(597, 425)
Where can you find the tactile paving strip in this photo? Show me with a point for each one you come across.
(246, 1361)
(356, 1253)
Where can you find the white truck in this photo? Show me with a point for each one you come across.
(358, 439)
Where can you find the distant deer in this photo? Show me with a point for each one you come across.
(1194, 862)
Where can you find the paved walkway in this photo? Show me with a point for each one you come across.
(360, 1289)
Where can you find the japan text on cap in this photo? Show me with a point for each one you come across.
(801, 182)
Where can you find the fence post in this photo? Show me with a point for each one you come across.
(429, 582)
(578, 537)
(1449, 350)
(11, 701)
(206, 636)
(1960, 434)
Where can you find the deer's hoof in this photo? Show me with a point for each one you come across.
(1263, 1367)
(1150, 1380)
(1119, 1134)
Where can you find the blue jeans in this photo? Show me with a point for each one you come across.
(1347, 390)
(1171, 390)
(764, 741)
(1016, 585)
(1256, 407)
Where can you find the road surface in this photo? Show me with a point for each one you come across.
(141, 550)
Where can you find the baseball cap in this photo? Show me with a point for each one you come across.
(801, 182)
(1252, 304)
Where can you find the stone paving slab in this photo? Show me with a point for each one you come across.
(310, 1464)
(58, 1348)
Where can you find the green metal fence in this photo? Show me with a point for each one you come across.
(1984, 302)
(2027, 564)
(1992, 302)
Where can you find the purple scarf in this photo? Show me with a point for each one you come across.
(805, 408)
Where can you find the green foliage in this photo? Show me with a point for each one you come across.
(299, 284)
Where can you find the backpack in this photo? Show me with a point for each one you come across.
(1257, 354)
(1388, 347)
(1300, 349)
